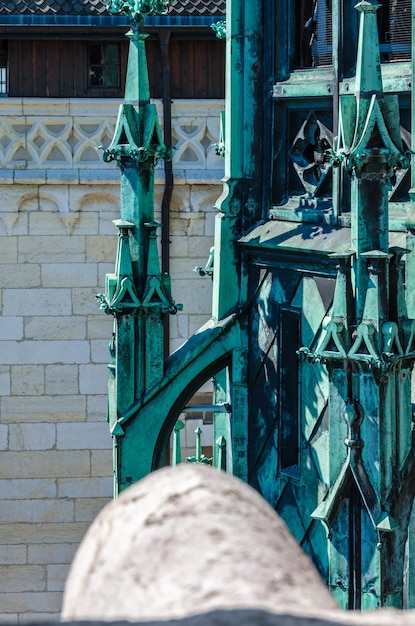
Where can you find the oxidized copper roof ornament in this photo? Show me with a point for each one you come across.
(138, 10)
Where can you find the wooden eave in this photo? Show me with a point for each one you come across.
(116, 32)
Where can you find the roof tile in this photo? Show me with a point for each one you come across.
(98, 7)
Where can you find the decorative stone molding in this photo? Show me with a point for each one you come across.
(41, 141)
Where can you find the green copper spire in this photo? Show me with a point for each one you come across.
(368, 360)
(137, 294)
(368, 71)
(371, 147)
(137, 144)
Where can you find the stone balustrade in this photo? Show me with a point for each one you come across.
(52, 141)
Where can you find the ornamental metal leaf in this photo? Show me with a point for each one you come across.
(220, 29)
(138, 10)
(308, 154)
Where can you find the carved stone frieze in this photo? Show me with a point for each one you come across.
(67, 135)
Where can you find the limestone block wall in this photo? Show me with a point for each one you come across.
(57, 203)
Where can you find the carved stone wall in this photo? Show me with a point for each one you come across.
(58, 200)
(45, 136)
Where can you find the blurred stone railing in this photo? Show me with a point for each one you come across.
(258, 617)
(45, 140)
